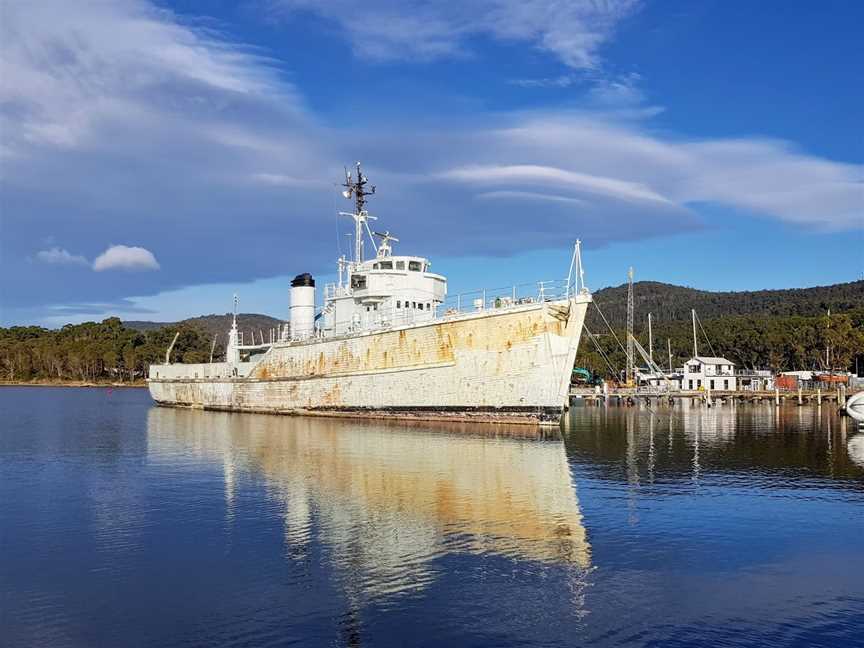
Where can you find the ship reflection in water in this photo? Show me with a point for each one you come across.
(388, 500)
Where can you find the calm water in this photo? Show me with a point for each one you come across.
(126, 525)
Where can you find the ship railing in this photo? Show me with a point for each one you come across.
(472, 301)
(333, 290)
(504, 297)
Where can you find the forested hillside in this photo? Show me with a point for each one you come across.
(781, 330)
(211, 325)
(668, 303)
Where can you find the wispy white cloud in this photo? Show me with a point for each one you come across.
(59, 256)
(67, 68)
(530, 174)
(611, 92)
(766, 177)
(282, 180)
(122, 257)
(572, 30)
(560, 81)
(532, 196)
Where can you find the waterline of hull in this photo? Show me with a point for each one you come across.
(547, 416)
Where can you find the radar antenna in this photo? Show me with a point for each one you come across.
(356, 188)
(384, 249)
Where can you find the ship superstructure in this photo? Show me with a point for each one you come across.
(389, 341)
(389, 290)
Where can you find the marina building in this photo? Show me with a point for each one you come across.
(755, 379)
(705, 372)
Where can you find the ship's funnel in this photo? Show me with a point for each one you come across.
(302, 306)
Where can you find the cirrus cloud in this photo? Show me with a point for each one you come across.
(532, 174)
(60, 256)
(385, 30)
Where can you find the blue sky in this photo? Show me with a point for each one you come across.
(157, 157)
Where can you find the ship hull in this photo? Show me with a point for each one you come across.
(507, 365)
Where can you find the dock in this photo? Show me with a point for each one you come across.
(632, 396)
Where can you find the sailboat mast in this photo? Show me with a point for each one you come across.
(695, 348)
(669, 349)
(650, 340)
(631, 370)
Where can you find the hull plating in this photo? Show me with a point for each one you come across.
(510, 365)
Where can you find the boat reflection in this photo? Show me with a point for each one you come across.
(681, 442)
(386, 500)
(855, 448)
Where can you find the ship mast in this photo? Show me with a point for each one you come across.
(356, 188)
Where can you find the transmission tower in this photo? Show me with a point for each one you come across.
(631, 372)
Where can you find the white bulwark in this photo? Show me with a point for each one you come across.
(705, 372)
(388, 341)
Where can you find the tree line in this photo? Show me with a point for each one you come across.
(95, 351)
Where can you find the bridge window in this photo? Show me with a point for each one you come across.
(400, 265)
(414, 266)
(398, 304)
(386, 265)
(358, 282)
(420, 305)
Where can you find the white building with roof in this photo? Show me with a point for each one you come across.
(704, 372)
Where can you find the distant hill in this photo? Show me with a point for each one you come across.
(669, 303)
(211, 325)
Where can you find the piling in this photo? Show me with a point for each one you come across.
(800, 397)
(819, 397)
(777, 396)
(842, 396)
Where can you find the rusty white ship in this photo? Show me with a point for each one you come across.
(389, 342)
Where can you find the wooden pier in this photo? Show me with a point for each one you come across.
(631, 396)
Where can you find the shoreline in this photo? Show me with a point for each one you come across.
(73, 383)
